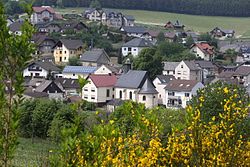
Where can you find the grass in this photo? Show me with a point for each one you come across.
(197, 23)
(32, 154)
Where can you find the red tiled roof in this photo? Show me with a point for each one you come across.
(103, 80)
(43, 8)
(205, 47)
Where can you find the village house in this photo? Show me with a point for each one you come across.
(74, 26)
(136, 86)
(16, 27)
(170, 36)
(45, 89)
(135, 46)
(70, 86)
(128, 20)
(177, 25)
(160, 82)
(180, 92)
(93, 14)
(44, 14)
(151, 36)
(209, 70)
(41, 69)
(74, 72)
(44, 43)
(9, 21)
(188, 70)
(66, 49)
(169, 68)
(242, 74)
(107, 69)
(203, 50)
(244, 53)
(134, 31)
(100, 88)
(218, 32)
(94, 57)
(49, 27)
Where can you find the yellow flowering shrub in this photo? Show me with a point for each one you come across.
(134, 136)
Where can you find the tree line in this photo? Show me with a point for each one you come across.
(196, 7)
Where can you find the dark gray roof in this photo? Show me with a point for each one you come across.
(191, 65)
(16, 26)
(45, 84)
(47, 66)
(205, 64)
(148, 88)
(72, 44)
(133, 79)
(170, 66)
(181, 85)
(138, 42)
(34, 94)
(165, 78)
(96, 56)
(68, 83)
(134, 29)
(243, 70)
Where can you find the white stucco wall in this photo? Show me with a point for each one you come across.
(102, 70)
(160, 88)
(134, 51)
(27, 73)
(182, 71)
(74, 75)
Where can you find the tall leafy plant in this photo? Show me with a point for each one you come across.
(15, 51)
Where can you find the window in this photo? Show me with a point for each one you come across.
(108, 93)
(129, 49)
(125, 49)
(60, 52)
(134, 49)
(74, 74)
(93, 97)
(120, 94)
(65, 58)
(71, 52)
(65, 52)
(187, 94)
(181, 66)
(85, 89)
(171, 93)
(92, 89)
(144, 98)
(130, 95)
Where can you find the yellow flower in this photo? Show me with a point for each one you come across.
(111, 122)
(226, 90)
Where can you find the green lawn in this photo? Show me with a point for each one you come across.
(34, 154)
(196, 23)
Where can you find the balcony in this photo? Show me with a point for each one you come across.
(174, 105)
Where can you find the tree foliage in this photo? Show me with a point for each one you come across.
(15, 51)
(197, 7)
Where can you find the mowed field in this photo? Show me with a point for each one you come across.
(197, 23)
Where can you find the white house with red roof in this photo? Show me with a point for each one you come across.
(203, 50)
(43, 14)
(100, 88)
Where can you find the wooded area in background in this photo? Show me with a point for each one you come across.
(196, 7)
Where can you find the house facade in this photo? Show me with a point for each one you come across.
(134, 31)
(160, 82)
(218, 32)
(136, 86)
(180, 92)
(135, 46)
(188, 70)
(203, 51)
(41, 69)
(66, 49)
(95, 58)
(42, 14)
(169, 68)
(100, 88)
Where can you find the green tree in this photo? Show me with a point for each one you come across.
(95, 4)
(74, 61)
(147, 60)
(161, 37)
(189, 41)
(15, 51)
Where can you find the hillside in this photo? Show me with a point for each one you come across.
(197, 23)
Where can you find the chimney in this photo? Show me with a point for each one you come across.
(127, 66)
